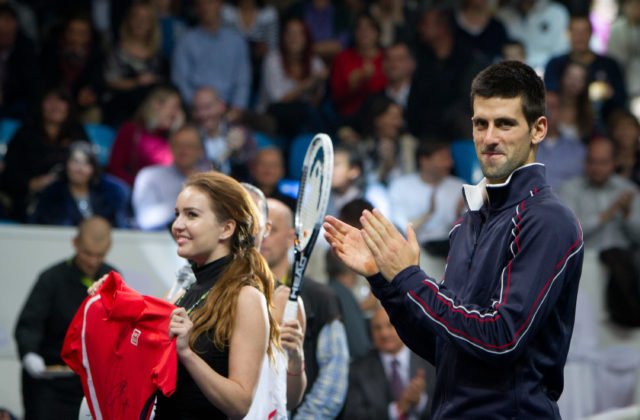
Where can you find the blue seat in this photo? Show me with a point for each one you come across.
(466, 164)
(8, 127)
(102, 138)
(298, 149)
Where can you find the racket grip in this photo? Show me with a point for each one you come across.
(291, 310)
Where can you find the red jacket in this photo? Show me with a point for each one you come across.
(118, 342)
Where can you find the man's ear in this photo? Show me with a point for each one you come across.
(228, 228)
(539, 130)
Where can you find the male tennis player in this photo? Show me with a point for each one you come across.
(498, 325)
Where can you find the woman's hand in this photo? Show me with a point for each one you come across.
(291, 337)
(180, 328)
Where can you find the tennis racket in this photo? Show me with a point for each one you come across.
(313, 197)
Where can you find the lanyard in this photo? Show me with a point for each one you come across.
(200, 299)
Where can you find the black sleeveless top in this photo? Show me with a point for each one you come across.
(188, 402)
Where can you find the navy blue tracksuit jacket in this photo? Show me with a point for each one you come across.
(498, 325)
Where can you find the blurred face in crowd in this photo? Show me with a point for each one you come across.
(626, 133)
(389, 123)
(432, 27)
(209, 12)
(295, 38)
(366, 34)
(344, 175)
(201, 236)
(79, 168)
(574, 80)
(55, 109)
(208, 109)
(600, 163)
(384, 335)
(503, 139)
(552, 101)
(579, 34)
(168, 112)
(275, 247)
(438, 165)
(186, 148)
(268, 168)
(77, 35)
(141, 21)
(398, 63)
(8, 31)
(631, 9)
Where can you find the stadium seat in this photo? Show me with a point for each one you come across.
(8, 127)
(102, 138)
(297, 151)
(466, 164)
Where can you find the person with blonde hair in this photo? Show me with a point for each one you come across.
(224, 324)
(143, 141)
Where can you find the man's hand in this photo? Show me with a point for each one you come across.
(349, 246)
(33, 363)
(412, 392)
(391, 252)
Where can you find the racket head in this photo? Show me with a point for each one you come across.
(315, 188)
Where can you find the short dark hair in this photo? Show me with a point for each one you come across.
(512, 79)
(351, 212)
(428, 147)
(355, 159)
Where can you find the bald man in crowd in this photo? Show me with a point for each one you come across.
(49, 389)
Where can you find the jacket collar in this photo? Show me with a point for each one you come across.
(524, 181)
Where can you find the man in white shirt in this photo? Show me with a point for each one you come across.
(156, 187)
(429, 198)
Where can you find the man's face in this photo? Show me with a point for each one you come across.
(579, 34)
(438, 165)
(398, 63)
(268, 168)
(343, 174)
(384, 335)
(275, 246)
(600, 163)
(90, 254)
(208, 109)
(502, 137)
(208, 11)
(186, 148)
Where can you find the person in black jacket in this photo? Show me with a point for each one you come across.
(49, 389)
(499, 323)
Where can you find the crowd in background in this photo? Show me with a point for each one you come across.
(239, 86)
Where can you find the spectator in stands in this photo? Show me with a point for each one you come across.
(389, 151)
(445, 68)
(434, 202)
(325, 343)
(357, 71)
(608, 207)
(80, 193)
(343, 281)
(258, 23)
(142, 141)
(172, 26)
(478, 28)
(562, 153)
(267, 170)
(19, 81)
(136, 65)
(396, 20)
(228, 145)
(156, 187)
(624, 45)
(293, 83)
(43, 321)
(390, 382)
(576, 114)
(328, 22)
(604, 76)
(624, 130)
(215, 56)
(514, 50)
(38, 150)
(399, 66)
(26, 20)
(73, 59)
(540, 25)
(348, 182)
